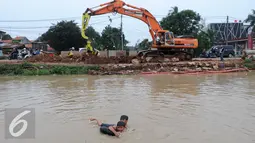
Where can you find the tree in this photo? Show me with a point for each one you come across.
(63, 36)
(111, 38)
(185, 22)
(205, 40)
(144, 45)
(2, 33)
(94, 37)
(6, 37)
(251, 19)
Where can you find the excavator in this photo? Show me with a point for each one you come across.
(164, 43)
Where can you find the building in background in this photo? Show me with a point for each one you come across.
(235, 34)
(21, 40)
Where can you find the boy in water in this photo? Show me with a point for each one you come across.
(113, 130)
(124, 118)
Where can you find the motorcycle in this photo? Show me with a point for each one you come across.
(20, 55)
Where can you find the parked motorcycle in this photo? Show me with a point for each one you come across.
(20, 55)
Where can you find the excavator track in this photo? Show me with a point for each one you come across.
(181, 55)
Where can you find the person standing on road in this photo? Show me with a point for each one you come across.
(222, 50)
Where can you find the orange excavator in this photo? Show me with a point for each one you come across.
(164, 42)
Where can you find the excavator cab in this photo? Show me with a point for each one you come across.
(164, 38)
(169, 38)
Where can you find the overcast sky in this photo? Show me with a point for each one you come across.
(211, 10)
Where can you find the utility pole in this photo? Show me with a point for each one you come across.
(227, 30)
(122, 37)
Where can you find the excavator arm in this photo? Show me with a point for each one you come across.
(163, 40)
(118, 6)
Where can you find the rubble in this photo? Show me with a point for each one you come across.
(134, 65)
(162, 68)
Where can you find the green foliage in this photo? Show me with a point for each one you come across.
(144, 45)
(10, 69)
(185, 22)
(26, 65)
(28, 69)
(205, 41)
(111, 38)
(3, 57)
(29, 72)
(2, 32)
(94, 37)
(249, 63)
(66, 34)
(251, 19)
(63, 70)
(6, 37)
(63, 36)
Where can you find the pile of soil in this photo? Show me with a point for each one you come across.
(133, 65)
(80, 59)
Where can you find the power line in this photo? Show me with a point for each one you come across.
(40, 20)
(99, 22)
(100, 16)
(43, 27)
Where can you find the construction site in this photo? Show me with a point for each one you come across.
(167, 52)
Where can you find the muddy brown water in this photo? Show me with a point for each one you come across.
(162, 108)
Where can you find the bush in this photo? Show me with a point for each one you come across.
(248, 61)
(3, 57)
(31, 69)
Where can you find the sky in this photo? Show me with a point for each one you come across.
(134, 29)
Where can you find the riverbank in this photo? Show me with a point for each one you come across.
(194, 67)
(28, 69)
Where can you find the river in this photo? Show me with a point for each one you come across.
(161, 108)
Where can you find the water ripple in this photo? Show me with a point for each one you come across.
(165, 108)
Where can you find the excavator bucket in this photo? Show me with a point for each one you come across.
(85, 22)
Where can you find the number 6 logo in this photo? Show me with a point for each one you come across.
(17, 121)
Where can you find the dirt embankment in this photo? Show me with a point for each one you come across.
(84, 59)
(132, 65)
(173, 67)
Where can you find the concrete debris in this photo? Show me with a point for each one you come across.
(148, 59)
(135, 61)
(134, 65)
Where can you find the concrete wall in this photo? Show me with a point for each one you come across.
(116, 53)
(65, 53)
(132, 53)
(103, 54)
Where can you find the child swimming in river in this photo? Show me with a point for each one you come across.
(111, 129)
(124, 118)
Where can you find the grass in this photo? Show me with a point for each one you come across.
(29, 69)
(2, 57)
(248, 63)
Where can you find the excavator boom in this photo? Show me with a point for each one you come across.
(118, 6)
(163, 40)
(85, 22)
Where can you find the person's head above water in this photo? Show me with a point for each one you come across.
(120, 126)
(124, 118)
